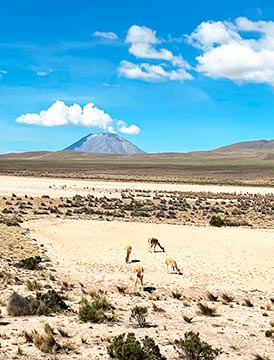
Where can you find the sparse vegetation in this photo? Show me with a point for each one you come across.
(192, 348)
(43, 304)
(30, 263)
(247, 302)
(127, 347)
(207, 310)
(139, 314)
(52, 300)
(44, 342)
(176, 294)
(216, 221)
(187, 318)
(96, 311)
(227, 298)
(269, 333)
(211, 296)
(259, 357)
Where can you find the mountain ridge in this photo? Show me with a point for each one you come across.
(252, 145)
(104, 143)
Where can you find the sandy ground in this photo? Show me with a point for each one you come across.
(67, 187)
(234, 261)
(237, 261)
(222, 258)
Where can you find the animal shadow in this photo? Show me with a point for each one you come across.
(135, 261)
(149, 289)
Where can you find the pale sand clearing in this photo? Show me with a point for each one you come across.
(236, 261)
(222, 258)
(66, 187)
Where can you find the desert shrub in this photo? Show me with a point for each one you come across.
(259, 357)
(216, 221)
(207, 310)
(192, 348)
(128, 347)
(45, 343)
(247, 302)
(95, 311)
(139, 314)
(33, 285)
(227, 298)
(30, 263)
(176, 294)
(52, 300)
(269, 333)
(211, 296)
(43, 304)
(10, 222)
(187, 318)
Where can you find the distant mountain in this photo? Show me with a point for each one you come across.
(105, 143)
(248, 145)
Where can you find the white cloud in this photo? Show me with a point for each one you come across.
(208, 34)
(242, 51)
(143, 45)
(105, 35)
(44, 73)
(131, 129)
(2, 72)
(143, 41)
(60, 114)
(152, 73)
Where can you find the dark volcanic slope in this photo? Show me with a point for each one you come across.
(252, 145)
(105, 143)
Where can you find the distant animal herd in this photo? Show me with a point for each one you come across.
(138, 270)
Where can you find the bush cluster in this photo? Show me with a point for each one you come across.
(127, 347)
(30, 263)
(95, 311)
(192, 348)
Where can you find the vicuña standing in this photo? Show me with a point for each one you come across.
(170, 262)
(128, 249)
(138, 270)
(152, 243)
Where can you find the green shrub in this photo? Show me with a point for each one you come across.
(269, 333)
(129, 348)
(51, 301)
(216, 221)
(30, 263)
(139, 314)
(95, 311)
(192, 348)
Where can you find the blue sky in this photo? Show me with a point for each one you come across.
(167, 75)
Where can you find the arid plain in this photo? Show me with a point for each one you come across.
(79, 228)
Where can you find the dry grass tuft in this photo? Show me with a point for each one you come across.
(176, 294)
(227, 298)
(207, 310)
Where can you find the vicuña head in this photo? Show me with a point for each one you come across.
(152, 243)
(171, 263)
(138, 270)
(128, 249)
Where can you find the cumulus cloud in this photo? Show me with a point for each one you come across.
(105, 35)
(241, 51)
(125, 129)
(152, 73)
(144, 45)
(60, 114)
